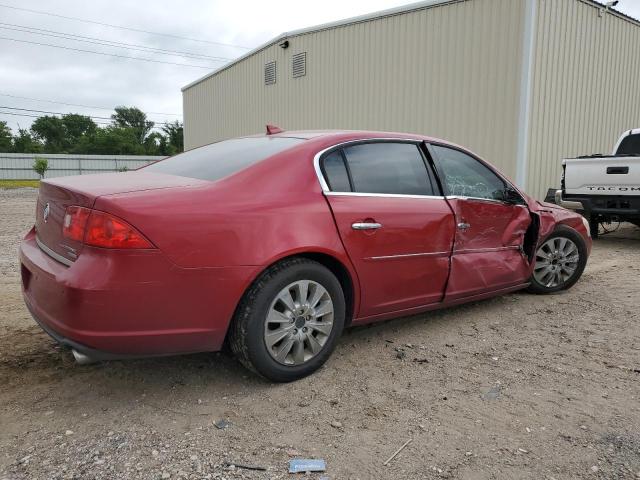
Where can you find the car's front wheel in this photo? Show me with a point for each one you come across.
(289, 320)
(560, 261)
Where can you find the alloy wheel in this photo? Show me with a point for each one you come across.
(299, 322)
(556, 262)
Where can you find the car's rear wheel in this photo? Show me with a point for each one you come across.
(560, 261)
(289, 320)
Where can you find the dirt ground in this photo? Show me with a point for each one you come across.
(520, 386)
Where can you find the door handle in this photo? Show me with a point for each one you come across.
(366, 226)
(463, 226)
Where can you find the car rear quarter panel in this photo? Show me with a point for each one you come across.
(267, 212)
(248, 219)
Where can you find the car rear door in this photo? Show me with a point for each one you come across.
(397, 228)
(490, 225)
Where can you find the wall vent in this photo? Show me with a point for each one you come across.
(299, 64)
(270, 73)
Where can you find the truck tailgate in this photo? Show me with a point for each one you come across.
(618, 175)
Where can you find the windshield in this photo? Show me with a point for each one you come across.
(630, 145)
(219, 160)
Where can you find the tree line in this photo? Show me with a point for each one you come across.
(130, 133)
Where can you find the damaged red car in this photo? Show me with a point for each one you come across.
(273, 244)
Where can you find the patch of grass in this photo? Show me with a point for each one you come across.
(19, 183)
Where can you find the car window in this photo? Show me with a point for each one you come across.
(630, 145)
(467, 177)
(335, 172)
(387, 167)
(219, 160)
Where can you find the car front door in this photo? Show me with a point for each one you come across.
(491, 221)
(396, 227)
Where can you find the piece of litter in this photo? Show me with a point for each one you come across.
(397, 452)
(493, 393)
(246, 467)
(222, 424)
(302, 465)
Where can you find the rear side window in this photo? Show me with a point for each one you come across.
(467, 177)
(335, 172)
(219, 160)
(630, 145)
(395, 168)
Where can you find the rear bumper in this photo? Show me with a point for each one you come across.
(624, 207)
(116, 303)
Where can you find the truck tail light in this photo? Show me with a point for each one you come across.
(101, 229)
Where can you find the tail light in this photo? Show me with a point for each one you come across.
(101, 229)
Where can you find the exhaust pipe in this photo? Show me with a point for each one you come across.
(81, 358)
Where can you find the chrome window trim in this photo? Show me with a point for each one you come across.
(52, 254)
(479, 199)
(482, 199)
(386, 195)
(325, 187)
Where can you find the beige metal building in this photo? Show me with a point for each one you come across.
(523, 83)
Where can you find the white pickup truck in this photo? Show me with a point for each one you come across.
(604, 188)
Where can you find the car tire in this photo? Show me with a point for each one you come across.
(555, 269)
(266, 312)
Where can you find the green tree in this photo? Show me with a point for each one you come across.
(77, 126)
(40, 166)
(111, 140)
(134, 118)
(175, 136)
(24, 142)
(6, 138)
(50, 131)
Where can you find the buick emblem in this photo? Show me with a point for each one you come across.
(45, 212)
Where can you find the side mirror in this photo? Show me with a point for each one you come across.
(510, 195)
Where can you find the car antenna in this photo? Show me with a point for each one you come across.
(272, 129)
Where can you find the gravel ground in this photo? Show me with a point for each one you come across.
(520, 386)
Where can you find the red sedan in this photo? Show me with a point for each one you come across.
(274, 243)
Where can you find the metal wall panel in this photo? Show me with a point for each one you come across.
(450, 71)
(586, 86)
(18, 166)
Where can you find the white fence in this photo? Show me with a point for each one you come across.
(18, 166)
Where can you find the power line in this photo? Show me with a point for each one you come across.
(63, 113)
(40, 12)
(39, 116)
(80, 105)
(104, 42)
(105, 54)
(45, 111)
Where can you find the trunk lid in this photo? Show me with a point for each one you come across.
(55, 195)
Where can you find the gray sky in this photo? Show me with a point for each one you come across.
(68, 76)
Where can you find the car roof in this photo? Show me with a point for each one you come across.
(347, 135)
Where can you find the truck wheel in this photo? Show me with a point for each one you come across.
(594, 226)
(560, 261)
(289, 320)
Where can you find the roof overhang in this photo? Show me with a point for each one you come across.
(365, 18)
(326, 26)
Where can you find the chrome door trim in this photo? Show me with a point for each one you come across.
(486, 250)
(407, 255)
(52, 254)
